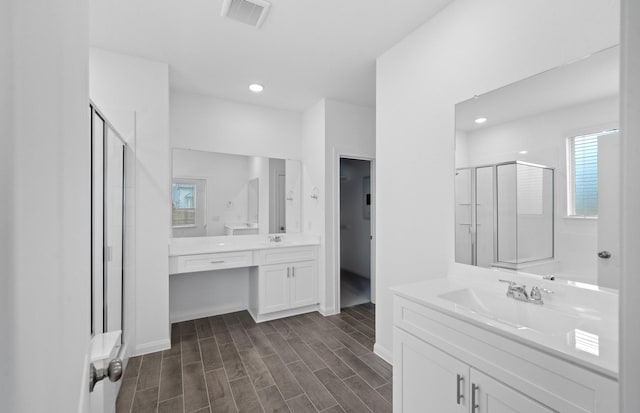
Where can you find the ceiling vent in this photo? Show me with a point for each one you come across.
(251, 12)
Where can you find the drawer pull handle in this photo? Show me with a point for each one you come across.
(288, 272)
(474, 405)
(293, 271)
(217, 262)
(459, 394)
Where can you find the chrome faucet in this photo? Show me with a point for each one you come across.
(515, 291)
(275, 238)
(536, 296)
(519, 292)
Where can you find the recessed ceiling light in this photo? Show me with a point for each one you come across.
(256, 87)
(523, 152)
(480, 120)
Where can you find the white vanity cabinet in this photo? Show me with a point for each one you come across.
(285, 286)
(427, 377)
(282, 275)
(444, 364)
(491, 396)
(285, 283)
(431, 377)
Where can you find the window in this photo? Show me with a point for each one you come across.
(582, 174)
(184, 204)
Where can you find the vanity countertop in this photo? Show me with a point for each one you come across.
(208, 245)
(577, 322)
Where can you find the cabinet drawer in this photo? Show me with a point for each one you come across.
(286, 254)
(217, 261)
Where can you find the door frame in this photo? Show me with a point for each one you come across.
(338, 155)
(279, 214)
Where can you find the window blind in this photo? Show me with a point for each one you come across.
(585, 175)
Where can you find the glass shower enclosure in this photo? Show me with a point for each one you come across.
(109, 179)
(504, 214)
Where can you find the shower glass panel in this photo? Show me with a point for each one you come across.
(504, 214)
(484, 205)
(525, 212)
(464, 233)
(535, 213)
(114, 230)
(97, 220)
(475, 216)
(507, 189)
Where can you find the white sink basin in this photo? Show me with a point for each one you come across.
(497, 307)
(578, 323)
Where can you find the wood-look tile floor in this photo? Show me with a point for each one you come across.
(228, 363)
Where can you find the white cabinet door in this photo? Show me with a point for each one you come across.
(304, 284)
(427, 379)
(274, 288)
(491, 396)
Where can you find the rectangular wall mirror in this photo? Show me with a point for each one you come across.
(537, 174)
(216, 194)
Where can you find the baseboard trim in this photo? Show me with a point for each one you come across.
(206, 312)
(281, 314)
(327, 311)
(152, 347)
(384, 353)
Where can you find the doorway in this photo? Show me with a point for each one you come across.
(355, 232)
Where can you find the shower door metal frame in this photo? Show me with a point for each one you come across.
(107, 127)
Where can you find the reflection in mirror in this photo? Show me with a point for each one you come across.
(253, 201)
(217, 194)
(188, 206)
(537, 180)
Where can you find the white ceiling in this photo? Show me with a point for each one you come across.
(304, 51)
(587, 80)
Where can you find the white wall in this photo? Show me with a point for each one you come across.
(355, 229)
(203, 294)
(313, 171)
(467, 49)
(142, 86)
(6, 206)
(211, 124)
(350, 131)
(544, 137)
(46, 232)
(227, 178)
(630, 283)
